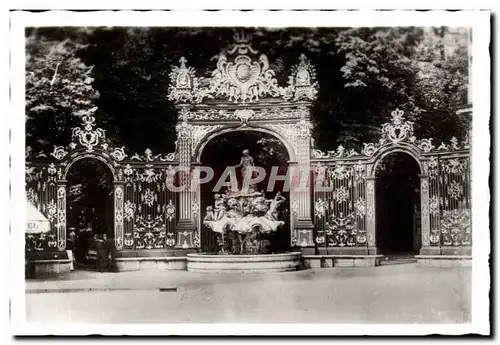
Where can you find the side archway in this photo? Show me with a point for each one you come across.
(385, 151)
(397, 204)
(90, 208)
(78, 156)
(115, 201)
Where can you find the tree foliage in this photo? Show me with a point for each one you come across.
(363, 74)
(59, 89)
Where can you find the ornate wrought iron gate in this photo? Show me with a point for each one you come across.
(145, 210)
(243, 94)
(344, 193)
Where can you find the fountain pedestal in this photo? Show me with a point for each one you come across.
(259, 263)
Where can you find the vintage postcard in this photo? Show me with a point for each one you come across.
(281, 172)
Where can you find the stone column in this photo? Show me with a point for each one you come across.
(370, 215)
(118, 201)
(303, 235)
(61, 215)
(185, 226)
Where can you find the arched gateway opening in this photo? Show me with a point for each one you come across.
(398, 230)
(225, 150)
(90, 210)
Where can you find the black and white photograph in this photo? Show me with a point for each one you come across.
(320, 168)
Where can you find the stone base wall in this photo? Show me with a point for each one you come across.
(177, 263)
(331, 261)
(244, 263)
(444, 260)
(47, 268)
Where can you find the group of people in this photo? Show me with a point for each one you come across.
(90, 250)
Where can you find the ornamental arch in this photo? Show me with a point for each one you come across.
(387, 150)
(397, 204)
(79, 155)
(90, 196)
(210, 136)
(144, 210)
(243, 94)
(345, 213)
(223, 150)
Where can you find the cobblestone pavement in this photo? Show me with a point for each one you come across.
(402, 293)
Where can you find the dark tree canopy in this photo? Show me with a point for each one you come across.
(363, 74)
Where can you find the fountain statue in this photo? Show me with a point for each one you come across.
(243, 217)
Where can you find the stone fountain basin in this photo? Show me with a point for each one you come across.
(258, 263)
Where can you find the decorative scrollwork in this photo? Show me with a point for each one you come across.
(295, 207)
(244, 115)
(149, 175)
(294, 239)
(340, 172)
(195, 208)
(453, 166)
(52, 170)
(129, 209)
(455, 190)
(397, 130)
(360, 171)
(454, 143)
(59, 152)
(170, 211)
(369, 149)
(196, 239)
(341, 194)
(320, 207)
(434, 237)
(118, 153)
(456, 227)
(51, 210)
(32, 196)
(434, 205)
(424, 186)
(149, 197)
(89, 136)
(149, 233)
(319, 154)
(341, 231)
(360, 206)
(302, 84)
(170, 241)
(426, 145)
(241, 77)
(181, 82)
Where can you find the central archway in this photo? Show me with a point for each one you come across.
(225, 150)
(398, 224)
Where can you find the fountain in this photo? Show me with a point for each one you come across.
(243, 218)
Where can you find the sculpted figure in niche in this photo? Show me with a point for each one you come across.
(303, 77)
(246, 165)
(183, 80)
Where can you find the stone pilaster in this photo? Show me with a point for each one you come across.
(61, 215)
(303, 232)
(185, 226)
(424, 212)
(118, 201)
(370, 214)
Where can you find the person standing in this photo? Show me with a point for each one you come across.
(102, 253)
(70, 247)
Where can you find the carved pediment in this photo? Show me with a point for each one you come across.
(242, 75)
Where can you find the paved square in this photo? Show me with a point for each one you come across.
(396, 293)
